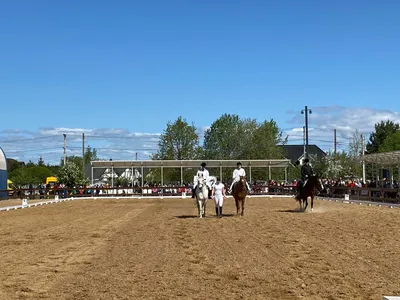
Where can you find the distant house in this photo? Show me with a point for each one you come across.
(296, 152)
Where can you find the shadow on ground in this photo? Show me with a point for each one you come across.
(196, 217)
(292, 211)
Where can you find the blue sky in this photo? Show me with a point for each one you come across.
(120, 70)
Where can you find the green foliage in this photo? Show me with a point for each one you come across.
(33, 174)
(179, 141)
(224, 138)
(123, 182)
(383, 130)
(391, 142)
(229, 137)
(90, 154)
(334, 166)
(71, 174)
(20, 177)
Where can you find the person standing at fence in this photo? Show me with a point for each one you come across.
(239, 171)
(219, 195)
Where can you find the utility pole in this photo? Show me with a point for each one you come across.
(136, 155)
(65, 148)
(304, 142)
(363, 153)
(83, 153)
(334, 142)
(306, 111)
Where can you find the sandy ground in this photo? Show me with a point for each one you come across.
(157, 249)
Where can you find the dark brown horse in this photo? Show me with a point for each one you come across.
(309, 190)
(240, 193)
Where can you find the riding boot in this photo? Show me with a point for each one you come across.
(193, 192)
(216, 211)
(220, 211)
(209, 194)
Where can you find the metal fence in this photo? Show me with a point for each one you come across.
(387, 195)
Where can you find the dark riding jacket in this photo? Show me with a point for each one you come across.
(306, 171)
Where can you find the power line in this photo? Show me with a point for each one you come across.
(29, 139)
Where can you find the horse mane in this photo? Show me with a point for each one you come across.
(240, 186)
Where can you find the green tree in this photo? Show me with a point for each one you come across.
(71, 174)
(391, 142)
(20, 177)
(33, 174)
(90, 154)
(354, 153)
(382, 131)
(178, 142)
(30, 164)
(229, 137)
(264, 142)
(224, 138)
(40, 162)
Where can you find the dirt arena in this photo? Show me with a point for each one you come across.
(156, 249)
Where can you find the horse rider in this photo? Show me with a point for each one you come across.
(218, 194)
(239, 171)
(306, 172)
(202, 172)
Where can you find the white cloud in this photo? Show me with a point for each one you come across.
(48, 143)
(323, 120)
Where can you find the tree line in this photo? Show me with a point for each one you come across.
(228, 138)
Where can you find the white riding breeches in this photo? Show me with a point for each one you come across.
(219, 200)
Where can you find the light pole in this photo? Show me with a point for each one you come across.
(306, 111)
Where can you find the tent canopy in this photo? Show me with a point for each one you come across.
(383, 159)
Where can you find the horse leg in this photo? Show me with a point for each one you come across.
(200, 208)
(242, 214)
(204, 208)
(312, 203)
(237, 207)
(306, 204)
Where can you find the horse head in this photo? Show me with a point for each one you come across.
(314, 181)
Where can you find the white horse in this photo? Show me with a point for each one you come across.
(201, 193)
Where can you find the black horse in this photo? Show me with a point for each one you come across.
(310, 188)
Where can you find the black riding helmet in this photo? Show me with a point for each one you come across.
(203, 164)
(306, 160)
(239, 164)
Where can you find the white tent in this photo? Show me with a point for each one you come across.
(127, 174)
(108, 175)
(132, 177)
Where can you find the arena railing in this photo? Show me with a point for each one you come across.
(388, 195)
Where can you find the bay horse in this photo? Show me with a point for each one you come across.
(201, 193)
(240, 193)
(309, 190)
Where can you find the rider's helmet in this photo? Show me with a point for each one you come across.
(239, 164)
(203, 164)
(306, 160)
